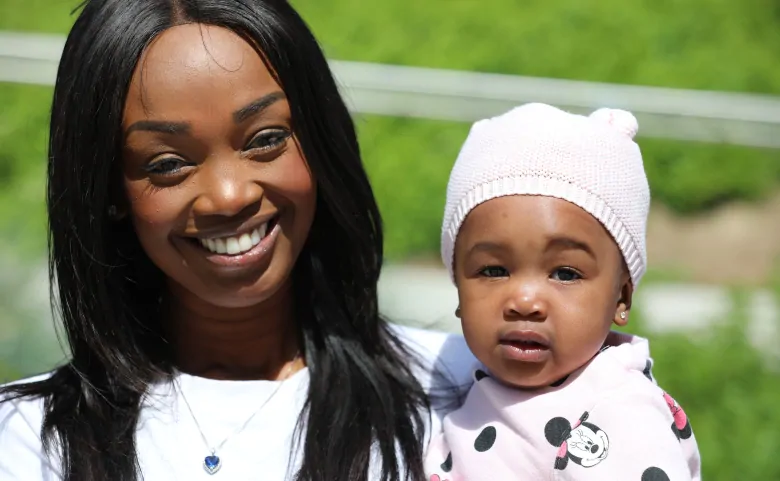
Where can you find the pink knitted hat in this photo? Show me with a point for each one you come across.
(536, 149)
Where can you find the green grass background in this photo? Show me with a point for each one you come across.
(730, 391)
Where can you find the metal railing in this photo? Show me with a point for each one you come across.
(720, 117)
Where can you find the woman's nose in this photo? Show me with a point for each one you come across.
(226, 190)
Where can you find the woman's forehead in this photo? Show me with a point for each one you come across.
(197, 65)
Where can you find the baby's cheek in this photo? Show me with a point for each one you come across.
(577, 344)
(476, 330)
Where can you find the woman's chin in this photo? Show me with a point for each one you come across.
(234, 292)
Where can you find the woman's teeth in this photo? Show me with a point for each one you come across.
(236, 244)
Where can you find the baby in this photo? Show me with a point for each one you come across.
(544, 237)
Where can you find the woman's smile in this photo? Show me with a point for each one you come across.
(245, 248)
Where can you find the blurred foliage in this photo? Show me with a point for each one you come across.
(23, 142)
(45, 16)
(729, 390)
(700, 44)
(697, 44)
(7, 373)
(409, 162)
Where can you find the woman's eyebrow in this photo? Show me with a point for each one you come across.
(163, 127)
(257, 107)
(178, 128)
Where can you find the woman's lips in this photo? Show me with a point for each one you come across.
(244, 259)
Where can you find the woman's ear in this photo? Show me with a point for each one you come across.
(119, 207)
(115, 213)
(623, 308)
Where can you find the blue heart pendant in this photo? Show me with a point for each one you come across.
(212, 464)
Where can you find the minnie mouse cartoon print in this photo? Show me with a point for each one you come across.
(681, 427)
(583, 443)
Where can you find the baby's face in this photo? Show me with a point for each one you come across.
(540, 282)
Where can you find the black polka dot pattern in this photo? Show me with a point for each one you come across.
(446, 466)
(486, 439)
(556, 431)
(683, 433)
(654, 474)
(480, 375)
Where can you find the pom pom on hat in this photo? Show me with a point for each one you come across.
(622, 120)
(536, 149)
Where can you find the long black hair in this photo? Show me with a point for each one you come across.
(107, 289)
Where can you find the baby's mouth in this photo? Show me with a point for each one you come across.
(527, 345)
(526, 340)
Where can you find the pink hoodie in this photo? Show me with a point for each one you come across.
(607, 421)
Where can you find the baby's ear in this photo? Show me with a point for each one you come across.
(623, 307)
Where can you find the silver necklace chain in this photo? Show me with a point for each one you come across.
(213, 463)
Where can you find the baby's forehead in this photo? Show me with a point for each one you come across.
(532, 222)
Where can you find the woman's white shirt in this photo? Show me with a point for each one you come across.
(169, 443)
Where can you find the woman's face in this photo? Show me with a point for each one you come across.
(217, 188)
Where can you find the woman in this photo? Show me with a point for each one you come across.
(216, 249)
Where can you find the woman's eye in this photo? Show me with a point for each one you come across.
(165, 166)
(565, 274)
(268, 139)
(494, 271)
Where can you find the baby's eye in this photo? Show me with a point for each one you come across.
(494, 271)
(166, 166)
(565, 274)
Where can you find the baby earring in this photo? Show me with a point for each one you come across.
(623, 315)
(457, 311)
